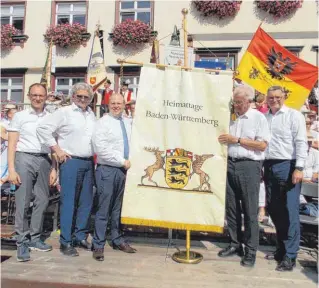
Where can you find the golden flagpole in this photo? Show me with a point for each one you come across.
(188, 256)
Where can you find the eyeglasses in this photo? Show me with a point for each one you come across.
(275, 98)
(37, 95)
(83, 97)
(237, 103)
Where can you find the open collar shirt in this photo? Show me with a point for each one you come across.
(253, 126)
(70, 128)
(288, 136)
(25, 123)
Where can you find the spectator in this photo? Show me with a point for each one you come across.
(314, 98)
(260, 102)
(10, 110)
(106, 93)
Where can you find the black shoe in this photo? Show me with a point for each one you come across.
(83, 244)
(125, 247)
(98, 254)
(287, 264)
(277, 256)
(68, 250)
(248, 260)
(230, 251)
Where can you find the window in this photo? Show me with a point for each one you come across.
(12, 89)
(71, 13)
(13, 15)
(134, 81)
(135, 10)
(228, 61)
(217, 58)
(64, 84)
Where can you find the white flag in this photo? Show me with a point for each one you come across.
(178, 174)
(96, 73)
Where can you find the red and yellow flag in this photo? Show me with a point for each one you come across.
(266, 63)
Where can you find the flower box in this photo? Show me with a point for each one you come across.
(132, 32)
(279, 8)
(67, 35)
(220, 9)
(10, 35)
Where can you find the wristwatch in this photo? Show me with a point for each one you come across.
(238, 141)
(299, 168)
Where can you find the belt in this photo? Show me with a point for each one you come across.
(233, 159)
(105, 165)
(35, 154)
(83, 158)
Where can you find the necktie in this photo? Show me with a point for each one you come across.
(125, 140)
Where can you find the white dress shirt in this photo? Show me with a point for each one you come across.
(288, 136)
(108, 140)
(253, 126)
(73, 129)
(26, 122)
(312, 163)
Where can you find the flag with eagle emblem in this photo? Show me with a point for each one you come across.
(266, 63)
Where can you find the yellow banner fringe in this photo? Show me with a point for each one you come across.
(172, 225)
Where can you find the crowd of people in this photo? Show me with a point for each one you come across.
(267, 151)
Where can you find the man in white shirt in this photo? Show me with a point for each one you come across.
(111, 145)
(312, 163)
(285, 160)
(29, 169)
(73, 127)
(247, 139)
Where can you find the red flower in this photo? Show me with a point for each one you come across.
(221, 9)
(65, 35)
(7, 31)
(131, 32)
(279, 8)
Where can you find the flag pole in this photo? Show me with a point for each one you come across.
(188, 256)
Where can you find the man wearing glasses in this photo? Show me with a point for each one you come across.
(73, 127)
(30, 171)
(285, 159)
(247, 140)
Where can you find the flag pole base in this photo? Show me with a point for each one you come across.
(188, 256)
(181, 257)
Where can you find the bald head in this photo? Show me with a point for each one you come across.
(116, 105)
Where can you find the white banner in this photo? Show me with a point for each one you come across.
(174, 55)
(96, 73)
(178, 173)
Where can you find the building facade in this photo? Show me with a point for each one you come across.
(212, 39)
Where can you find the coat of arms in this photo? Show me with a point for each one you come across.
(278, 66)
(92, 80)
(180, 166)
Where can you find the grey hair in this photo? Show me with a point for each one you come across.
(245, 89)
(275, 88)
(81, 86)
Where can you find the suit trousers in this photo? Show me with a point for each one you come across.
(76, 179)
(110, 189)
(283, 204)
(242, 190)
(34, 174)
